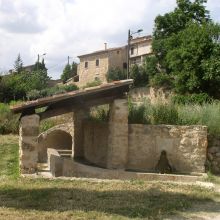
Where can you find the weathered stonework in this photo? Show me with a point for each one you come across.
(185, 147)
(58, 137)
(78, 118)
(213, 155)
(118, 135)
(96, 142)
(28, 143)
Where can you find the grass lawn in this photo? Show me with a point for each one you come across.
(24, 198)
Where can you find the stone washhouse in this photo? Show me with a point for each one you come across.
(113, 149)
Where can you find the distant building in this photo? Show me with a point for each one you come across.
(95, 66)
(28, 68)
(140, 48)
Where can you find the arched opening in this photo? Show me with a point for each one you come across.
(57, 139)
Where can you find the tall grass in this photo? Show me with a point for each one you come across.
(160, 113)
(9, 122)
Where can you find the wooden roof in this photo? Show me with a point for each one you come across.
(67, 102)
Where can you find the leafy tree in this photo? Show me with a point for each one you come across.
(185, 46)
(18, 65)
(139, 75)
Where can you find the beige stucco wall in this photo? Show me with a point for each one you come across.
(185, 146)
(95, 142)
(141, 48)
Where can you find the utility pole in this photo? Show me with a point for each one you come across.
(128, 53)
(68, 60)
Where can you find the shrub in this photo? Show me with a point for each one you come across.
(139, 75)
(161, 80)
(33, 94)
(200, 99)
(93, 84)
(100, 114)
(46, 124)
(115, 74)
(36, 94)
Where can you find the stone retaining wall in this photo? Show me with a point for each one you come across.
(213, 155)
(186, 146)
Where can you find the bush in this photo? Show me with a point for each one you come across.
(46, 124)
(115, 74)
(100, 114)
(192, 99)
(36, 94)
(139, 75)
(33, 94)
(161, 80)
(93, 84)
(9, 123)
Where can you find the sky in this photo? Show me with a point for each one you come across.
(62, 28)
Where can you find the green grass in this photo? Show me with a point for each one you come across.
(25, 198)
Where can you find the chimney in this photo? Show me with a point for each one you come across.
(105, 46)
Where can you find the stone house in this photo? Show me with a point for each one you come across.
(95, 65)
(140, 48)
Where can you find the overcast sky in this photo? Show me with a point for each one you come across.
(62, 28)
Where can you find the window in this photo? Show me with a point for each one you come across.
(132, 50)
(97, 62)
(86, 64)
(125, 66)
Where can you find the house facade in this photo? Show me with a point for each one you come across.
(140, 48)
(95, 66)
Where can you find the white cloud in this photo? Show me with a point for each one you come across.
(72, 27)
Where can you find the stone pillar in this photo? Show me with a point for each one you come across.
(78, 117)
(118, 135)
(28, 152)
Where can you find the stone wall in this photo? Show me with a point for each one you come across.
(185, 146)
(213, 155)
(153, 95)
(96, 142)
(28, 143)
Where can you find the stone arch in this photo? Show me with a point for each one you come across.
(56, 138)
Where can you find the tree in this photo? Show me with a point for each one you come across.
(40, 66)
(18, 65)
(115, 74)
(185, 45)
(69, 71)
(139, 75)
(66, 73)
